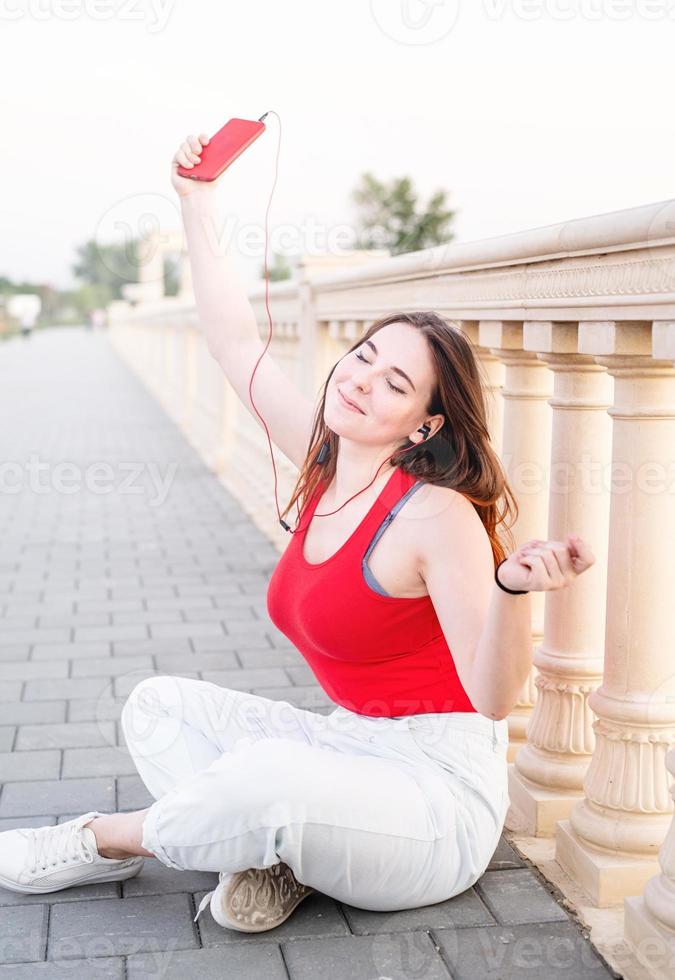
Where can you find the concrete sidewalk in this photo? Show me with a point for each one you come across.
(123, 556)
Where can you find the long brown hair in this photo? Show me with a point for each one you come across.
(459, 455)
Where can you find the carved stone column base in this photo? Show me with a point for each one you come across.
(536, 810)
(606, 877)
(652, 942)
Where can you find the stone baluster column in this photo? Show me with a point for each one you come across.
(150, 288)
(546, 778)
(492, 370)
(649, 919)
(526, 443)
(308, 337)
(610, 843)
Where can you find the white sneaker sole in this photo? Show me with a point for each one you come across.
(251, 902)
(119, 874)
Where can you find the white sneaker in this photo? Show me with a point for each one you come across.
(46, 859)
(256, 899)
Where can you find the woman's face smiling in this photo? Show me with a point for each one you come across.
(390, 378)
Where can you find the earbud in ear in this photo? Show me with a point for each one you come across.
(425, 430)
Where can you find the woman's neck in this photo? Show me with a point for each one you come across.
(349, 479)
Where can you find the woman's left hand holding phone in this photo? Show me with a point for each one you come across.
(188, 155)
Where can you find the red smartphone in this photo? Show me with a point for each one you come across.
(223, 149)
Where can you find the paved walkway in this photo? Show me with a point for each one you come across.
(123, 556)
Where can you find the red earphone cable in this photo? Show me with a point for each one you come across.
(269, 340)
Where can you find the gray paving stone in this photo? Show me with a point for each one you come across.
(238, 627)
(239, 642)
(44, 608)
(461, 911)
(11, 823)
(109, 605)
(7, 734)
(75, 621)
(10, 691)
(119, 927)
(100, 761)
(84, 893)
(261, 961)
(505, 857)
(23, 934)
(171, 631)
(102, 634)
(69, 651)
(269, 657)
(397, 957)
(26, 712)
(301, 674)
(70, 687)
(23, 671)
(55, 635)
(174, 663)
(145, 616)
(132, 794)
(16, 766)
(223, 591)
(241, 679)
(101, 968)
(154, 591)
(66, 735)
(151, 647)
(16, 622)
(221, 616)
(181, 602)
(15, 652)
(109, 666)
(57, 796)
(95, 709)
(554, 950)
(241, 611)
(515, 897)
(317, 915)
(156, 879)
(164, 578)
(254, 588)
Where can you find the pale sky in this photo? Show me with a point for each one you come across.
(528, 112)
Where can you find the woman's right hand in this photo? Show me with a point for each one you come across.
(188, 155)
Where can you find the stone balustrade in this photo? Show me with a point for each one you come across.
(574, 325)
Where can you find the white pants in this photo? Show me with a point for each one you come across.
(380, 813)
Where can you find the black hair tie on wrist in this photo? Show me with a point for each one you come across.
(503, 587)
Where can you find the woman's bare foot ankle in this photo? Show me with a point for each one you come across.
(114, 830)
(106, 852)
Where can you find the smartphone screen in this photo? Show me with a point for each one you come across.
(223, 149)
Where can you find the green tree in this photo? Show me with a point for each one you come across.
(109, 266)
(278, 270)
(389, 216)
(171, 275)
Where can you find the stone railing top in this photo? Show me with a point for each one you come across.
(647, 226)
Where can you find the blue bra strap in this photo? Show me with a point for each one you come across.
(367, 574)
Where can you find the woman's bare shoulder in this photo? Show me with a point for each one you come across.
(444, 518)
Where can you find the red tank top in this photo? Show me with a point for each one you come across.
(376, 655)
